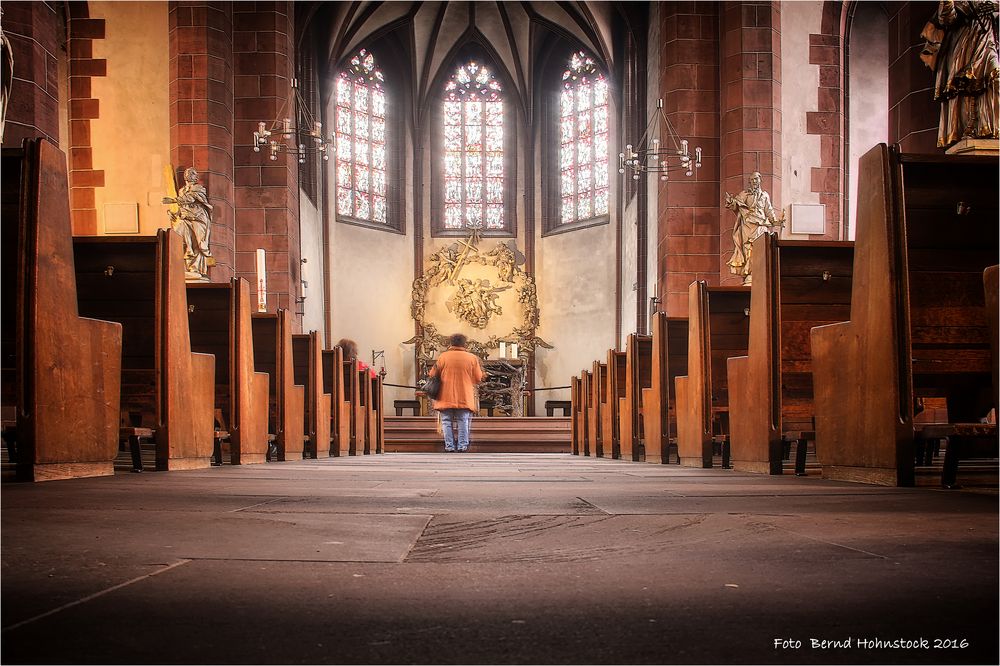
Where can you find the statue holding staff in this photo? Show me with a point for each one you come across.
(193, 221)
(754, 216)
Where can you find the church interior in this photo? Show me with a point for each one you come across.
(730, 269)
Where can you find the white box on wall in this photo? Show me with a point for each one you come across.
(121, 218)
(808, 218)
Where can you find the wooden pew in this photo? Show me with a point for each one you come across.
(219, 322)
(376, 422)
(272, 353)
(576, 399)
(927, 229)
(668, 360)
(614, 396)
(61, 372)
(307, 361)
(718, 326)
(166, 388)
(796, 286)
(638, 380)
(586, 396)
(340, 403)
(362, 410)
(991, 286)
(356, 414)
(594, 431)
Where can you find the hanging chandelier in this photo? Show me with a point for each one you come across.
(652, 155)
(283, 135)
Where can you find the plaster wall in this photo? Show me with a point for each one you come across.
(800, 151)
(311, 238)
(629, 257)
(371, 273)
(868, 110)
(131, 138)
(575, 273)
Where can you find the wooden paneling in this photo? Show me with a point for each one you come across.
(941, 211)
(61, 372)
(796, 286)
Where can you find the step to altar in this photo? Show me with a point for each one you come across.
(499, 434)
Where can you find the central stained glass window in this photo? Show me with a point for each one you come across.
(473, 150)
(360, 123)
(583, 141)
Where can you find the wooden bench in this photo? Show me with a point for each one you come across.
(61, 372)
(272, 353)
(668, 360)
(362, 410)
(139, 282)
(400, 405)
(613, 397)
(586, 414)
(718, 328)
(919, 325)
(638, 381)
(576, 399)
(594, 434)
(307, 362)
(340, 401)
(353, 396)
(796, 286)
(376, 417)
(219, 322)
(562, 405)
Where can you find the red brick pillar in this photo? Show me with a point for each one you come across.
(201, 113)
(33, 29)
(827, 180)
(913, 113)
(267, 191)
(751, 108)
(84, 178)
(688, 208)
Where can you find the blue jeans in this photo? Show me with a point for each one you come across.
(463, 417)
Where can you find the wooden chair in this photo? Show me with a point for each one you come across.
(219, 321)
(272, 353)
(307, 361)
(166, 388)
(575, 418)
(668, 360)
(796, 286)
(919, 326)
(614, 397)
(61, 372)
(340, 401)
(638, 381)
(718, 327)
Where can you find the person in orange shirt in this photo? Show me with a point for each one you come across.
(459, 371)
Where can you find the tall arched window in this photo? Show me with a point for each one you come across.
(361, 141)
(583, 142)
(473, 141)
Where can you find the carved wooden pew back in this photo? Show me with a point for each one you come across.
(927, 229)
(796, 286)
(139, 282)
(61, 372)
(718, 328)
(272, 353)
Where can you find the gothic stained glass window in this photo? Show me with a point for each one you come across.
(583, 141)
(473, 150)
(360, 142)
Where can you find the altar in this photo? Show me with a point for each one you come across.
(504, 386)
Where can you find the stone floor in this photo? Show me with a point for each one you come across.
(480, 558)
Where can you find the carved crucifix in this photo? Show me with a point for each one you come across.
(468, 245)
